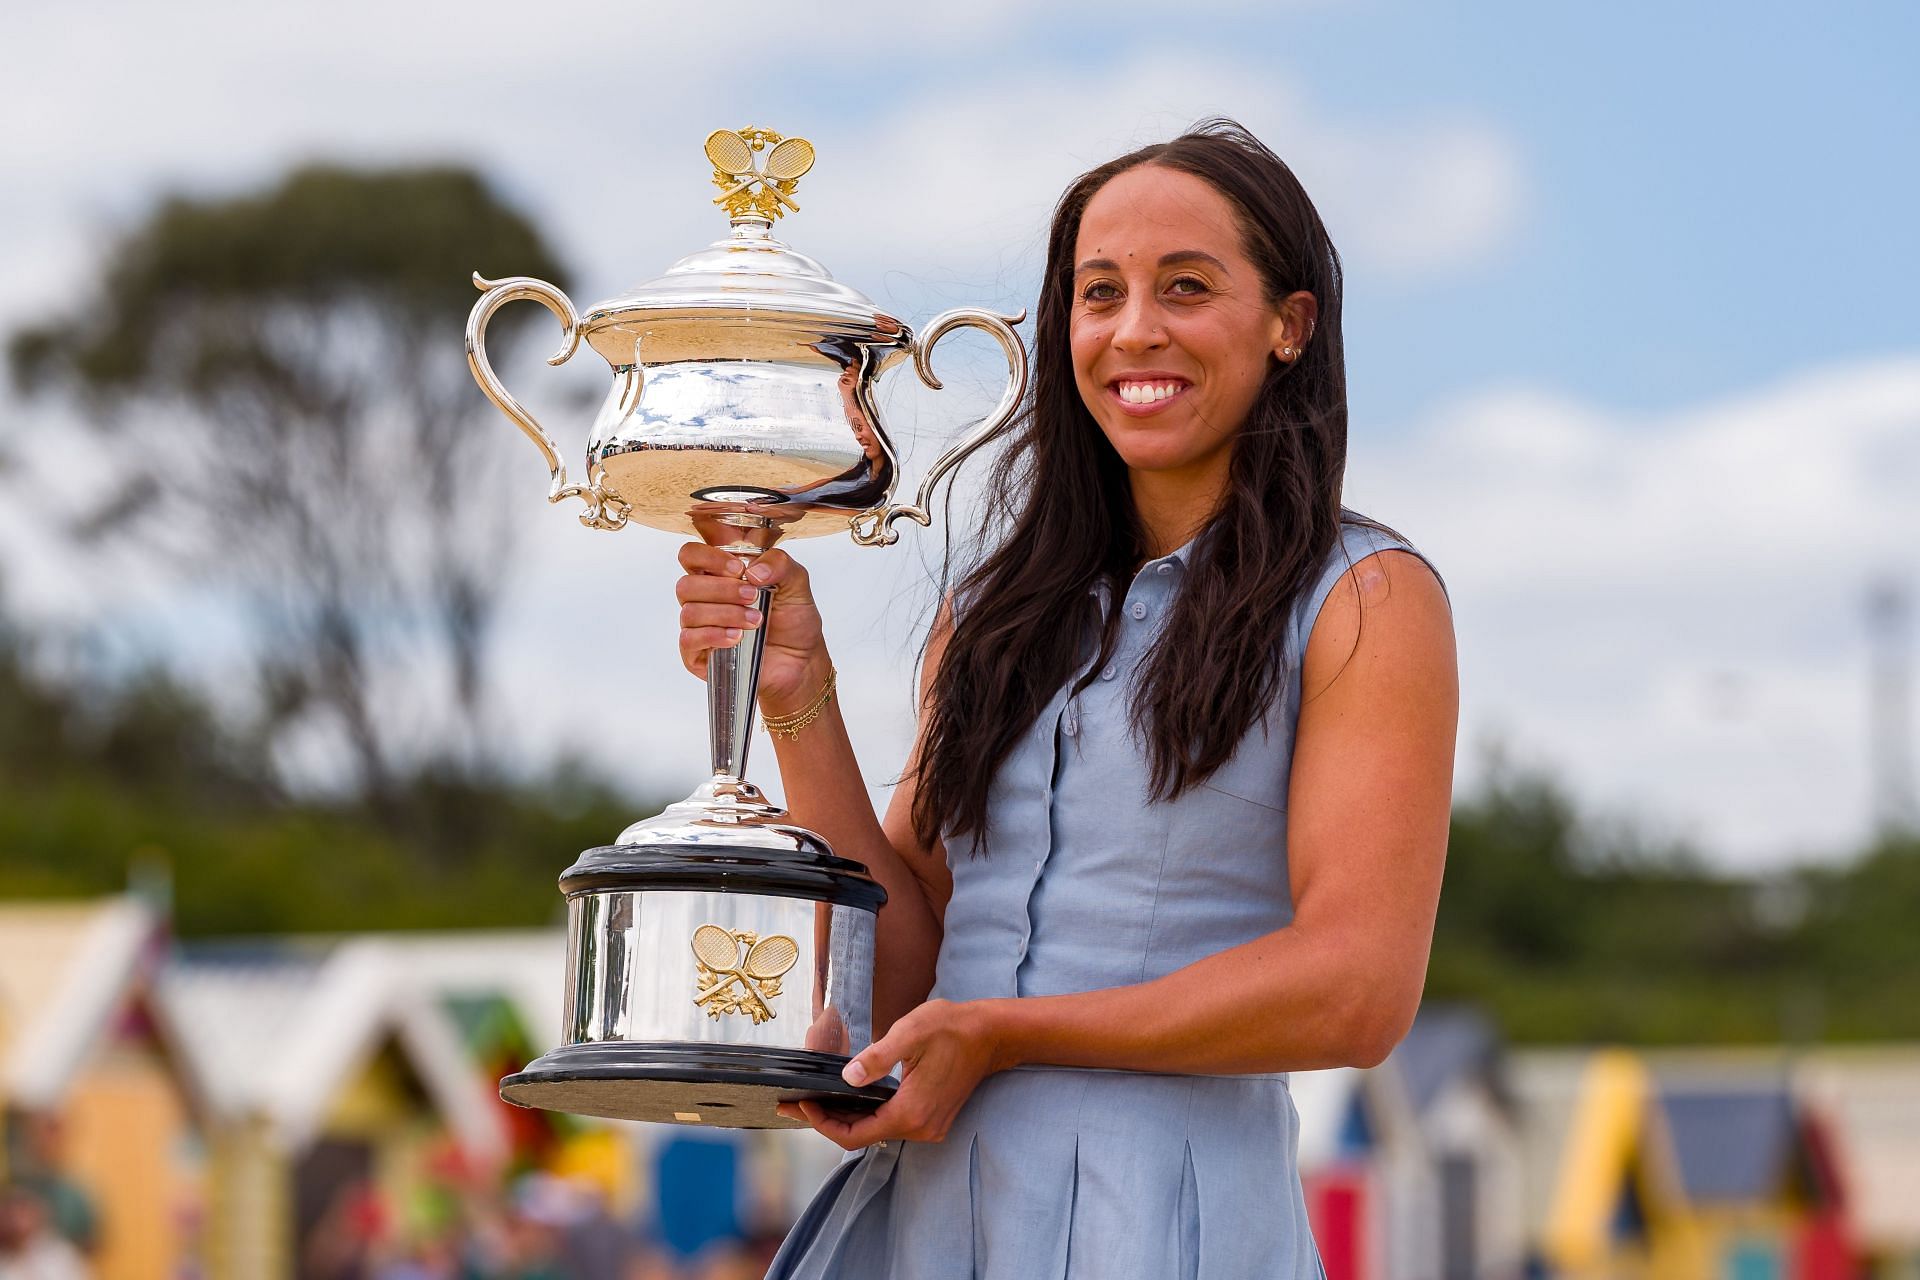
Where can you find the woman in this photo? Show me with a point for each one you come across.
(1176, 814)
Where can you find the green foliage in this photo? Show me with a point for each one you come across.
(95, 781)
(1571, 931)
(405, 239)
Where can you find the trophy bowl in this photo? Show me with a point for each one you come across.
(720, 958)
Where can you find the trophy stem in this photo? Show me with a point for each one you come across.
(733, 682)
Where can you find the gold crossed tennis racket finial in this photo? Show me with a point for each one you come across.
(765, 190)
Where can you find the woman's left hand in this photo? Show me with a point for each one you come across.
(944, 1050)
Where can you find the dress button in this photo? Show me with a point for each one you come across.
(1109, 673)
(1166, 567)
(1138, 609)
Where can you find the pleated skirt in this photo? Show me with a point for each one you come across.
(1061, 1174)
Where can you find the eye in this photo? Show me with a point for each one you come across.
(1099, 291)
(1187, 286)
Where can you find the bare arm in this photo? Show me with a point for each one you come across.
(825, 791)
(1368, 803)
(1369, 796)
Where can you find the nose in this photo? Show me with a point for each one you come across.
(1138, 327)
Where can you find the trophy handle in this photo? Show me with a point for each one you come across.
(874, 526)
(496, 294)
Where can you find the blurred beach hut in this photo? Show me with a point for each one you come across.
(1367, 1174)
(1868, 1102)
(1760, 1181)
(340, 1090)
(1450, 1065)
(1603, 1195)
(502, 989)
(523, 970)
(100, 1111)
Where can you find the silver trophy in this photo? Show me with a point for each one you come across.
(719, 958)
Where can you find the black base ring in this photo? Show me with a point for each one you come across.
(725, 1085)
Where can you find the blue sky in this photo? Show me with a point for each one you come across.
(1717, 192)
(1634, 348)
(1707, 184)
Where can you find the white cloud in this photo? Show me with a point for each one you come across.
(592, 114)
(1670, 609)
(968, 180)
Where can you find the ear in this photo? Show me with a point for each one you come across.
(1292, 326)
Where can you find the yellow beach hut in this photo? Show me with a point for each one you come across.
(1604, 1197)
(98, 1109)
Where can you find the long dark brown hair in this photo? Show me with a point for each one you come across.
(1065, 520)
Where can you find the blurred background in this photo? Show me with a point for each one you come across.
(306, 696)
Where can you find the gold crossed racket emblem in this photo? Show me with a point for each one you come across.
(764, 190)
(727, 981)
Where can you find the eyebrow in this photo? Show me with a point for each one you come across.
(1173, 259)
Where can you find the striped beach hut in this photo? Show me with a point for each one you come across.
(97, 1105)
(1451, 1067)
(333, 1079)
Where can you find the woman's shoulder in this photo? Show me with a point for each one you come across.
(1361, 538)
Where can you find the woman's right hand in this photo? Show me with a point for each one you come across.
(716, 612)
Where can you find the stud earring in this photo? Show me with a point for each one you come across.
(1287, 353)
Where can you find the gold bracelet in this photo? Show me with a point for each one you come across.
(789, 727)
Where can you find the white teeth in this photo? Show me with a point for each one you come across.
(1147, 392)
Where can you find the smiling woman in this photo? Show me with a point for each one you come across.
(1175, 819)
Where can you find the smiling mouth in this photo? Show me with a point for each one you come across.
(1147, 393)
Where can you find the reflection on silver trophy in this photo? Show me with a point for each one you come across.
(720, 959)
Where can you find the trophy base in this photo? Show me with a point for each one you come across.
(722, 1085)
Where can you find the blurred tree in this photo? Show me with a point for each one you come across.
(1512, 883)
(102, 777)
(284, 409)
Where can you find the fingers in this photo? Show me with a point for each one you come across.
(773, 568)
(714, 613)
(720, 597)
(698, 615)
(701, 588)
(850, 1133)
(872, 1062)
(901, 1043)
(695, 645)
(698, 557)
(780, 572)
(900, 1118)
(853, 1131)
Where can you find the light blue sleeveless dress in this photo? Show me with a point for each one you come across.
(1053, 1173)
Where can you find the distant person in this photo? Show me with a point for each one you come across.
(343, 1242)
(43, 1170)
(30, 1249)
(1175, 818)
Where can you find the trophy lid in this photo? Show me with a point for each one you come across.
(748, 275)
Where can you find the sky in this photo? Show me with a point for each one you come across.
(1630, 318)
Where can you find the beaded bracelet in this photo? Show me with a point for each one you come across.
(789, 727)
